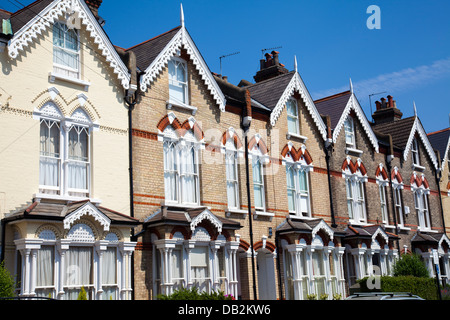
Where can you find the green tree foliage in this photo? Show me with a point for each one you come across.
(7, 283)
(82, 295)
(410, 265)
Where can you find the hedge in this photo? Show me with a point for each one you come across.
(194, 294)
(423, 287)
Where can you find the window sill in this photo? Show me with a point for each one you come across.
(257, 213)
(353, 150)
(170, 104)
(418, 167)
(295, 136)
(182, 205)
(294, 216)
(229, 211)
(400, 227)
(388, 226)
(54, 76)
(356, 223)
(426, 230)
(64, 197)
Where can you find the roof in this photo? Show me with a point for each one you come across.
(268, 92)
(440, 140)
(24, 15)
(429, 238)
(304, 226)
(333, 106)
(147, 51)
(400, 130)
(184, 216)
(367, 231)
(54, 210)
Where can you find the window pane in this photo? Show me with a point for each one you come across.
(292, 125)
(303, 183)
(45, 266)
(258, 191)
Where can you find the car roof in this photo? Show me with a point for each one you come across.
(383, 296)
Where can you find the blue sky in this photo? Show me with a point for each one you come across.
(409, 57)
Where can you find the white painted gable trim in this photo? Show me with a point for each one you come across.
(182, 39)
(206, 214)
(297, 83)
(354, 105)
(322, 226)
(44, 19)
(87, 209)
(417, 127)
(446, 154)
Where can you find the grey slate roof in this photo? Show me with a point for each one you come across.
(420, 237)
(333, 106)
(400, 130)
(268, 92)
(24, 15)
(148, 50)
(303, 226)
(54, 210)
(183, 216)
(439, 140)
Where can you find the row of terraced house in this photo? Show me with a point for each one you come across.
(134, 172)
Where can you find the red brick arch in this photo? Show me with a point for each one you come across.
(300, 154)
(236, 140)
(269, 246)
(261, 145)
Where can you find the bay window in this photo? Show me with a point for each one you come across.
(66, 51)
(79, 272)
(109, 274)
(45, 277)
(200, 268)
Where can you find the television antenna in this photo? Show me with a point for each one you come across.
(370, 101)
(264, 50)
(224, 56)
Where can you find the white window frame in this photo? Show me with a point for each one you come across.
(182, 84)
(60, 68)
(257, 161)
(180, 148)
(66, 124)
(49, 123)
(383, 202)
(398, 203)
(422, 210)
(298, 193)
(349, 130)
(293, 117)
(356, 199)
(415, 152)
(231, 161)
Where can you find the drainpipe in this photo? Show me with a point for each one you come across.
(246, 122)
(2, 257)
(388, 161)
(277, 244)
(130, 100)
(438, 176)
(328, 151)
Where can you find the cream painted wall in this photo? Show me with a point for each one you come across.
(24, 84)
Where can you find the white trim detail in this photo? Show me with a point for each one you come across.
(417, 127)
(322, 226)
(296, 83)
(353, 104)
(43, 20)
(206, 214)
(87, 209)
(182, 39)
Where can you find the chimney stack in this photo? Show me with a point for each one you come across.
(94, 5)
(386, 111)
(270, 67)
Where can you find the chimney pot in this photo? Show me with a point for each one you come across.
(390, 101)
(378, 104)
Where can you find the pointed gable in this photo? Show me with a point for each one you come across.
(440, 140)
(153, 55)
(31, 21)
(338, 107)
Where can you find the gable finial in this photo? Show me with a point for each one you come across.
(415, 109)
(181, 15)
(295, 63)
(351, 85)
